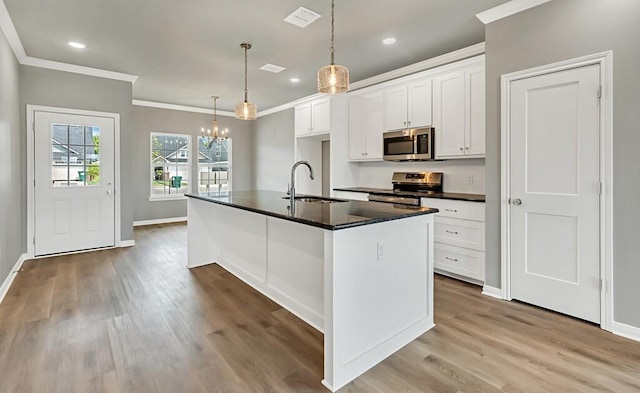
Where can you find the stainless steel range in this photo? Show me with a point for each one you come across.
(409, 187)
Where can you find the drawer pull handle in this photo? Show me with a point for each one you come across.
(452, 210)
(451, 259)
(452, 232)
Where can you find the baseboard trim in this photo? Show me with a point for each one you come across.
(4, 289)
(169, 220)
(127, 243)
(626, 331)
(492, 291)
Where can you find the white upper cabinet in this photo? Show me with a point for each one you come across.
(302, 119)
(419, 105)
(458, 113)
(408, 105)
(313, 117)
(475, 112)
(365, 127)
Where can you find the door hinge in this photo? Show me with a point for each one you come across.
(601, 285)
(600, 188)
(599, 91)
(34, 240)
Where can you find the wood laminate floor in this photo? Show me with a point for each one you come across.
(136, 320)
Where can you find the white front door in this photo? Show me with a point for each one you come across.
(74, 173)
(555, 183)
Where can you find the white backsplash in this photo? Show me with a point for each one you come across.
(456, 173)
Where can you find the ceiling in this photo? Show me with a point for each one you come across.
(186, 51)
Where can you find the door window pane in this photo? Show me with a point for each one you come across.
(74, 151)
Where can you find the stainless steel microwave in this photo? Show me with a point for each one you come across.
(408, 145)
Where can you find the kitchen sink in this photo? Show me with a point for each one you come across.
(316, 199)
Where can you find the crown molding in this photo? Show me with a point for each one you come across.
(461, 54)
(76, 69)
(507, 9)
(447, 58)
(183, 108)
(9, 29)
(289, 105)
(7, 26)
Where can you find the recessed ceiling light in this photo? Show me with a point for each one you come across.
(389, 41)
(295, 80)
(76, 45)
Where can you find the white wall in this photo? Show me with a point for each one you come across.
(456, 173)
(12, 155)
(273, 141)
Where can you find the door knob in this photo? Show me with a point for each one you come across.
(516, 201)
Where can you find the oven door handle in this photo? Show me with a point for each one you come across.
(395, 199)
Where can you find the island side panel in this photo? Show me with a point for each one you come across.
(243, 244)
(281, 259)
(202, 233)
(378, 294)
(295, 269)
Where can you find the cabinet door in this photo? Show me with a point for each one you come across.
(373, 123)
(356, 128)
(302, 119)
(395, 108)
(474, 112)
(419, 100)
(449, 114)
(320, 115)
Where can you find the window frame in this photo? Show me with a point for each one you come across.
(178, 195)
(229, 142)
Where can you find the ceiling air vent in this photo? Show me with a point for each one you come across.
(302, 17)
(272, 68)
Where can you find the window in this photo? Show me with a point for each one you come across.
(214, 170)
(75, 155)
(170, 165)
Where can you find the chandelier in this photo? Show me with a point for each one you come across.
(209, 137)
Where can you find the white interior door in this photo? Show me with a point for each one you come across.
(74, 173)
(555, 183)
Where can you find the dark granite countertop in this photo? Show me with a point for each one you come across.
(439, 195)
(331, 216)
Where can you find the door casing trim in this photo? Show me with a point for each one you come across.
(605, 60)
(31, 110)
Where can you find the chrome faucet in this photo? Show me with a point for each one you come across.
(292, 190)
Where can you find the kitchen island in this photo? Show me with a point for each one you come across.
(360, 272)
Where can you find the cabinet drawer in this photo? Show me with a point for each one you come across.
(461, 233)
(461, 261)
(456, 209)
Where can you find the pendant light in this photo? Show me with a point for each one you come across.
(246, 110)
(333, 78)
(217, 136)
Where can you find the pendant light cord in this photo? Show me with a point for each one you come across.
(215, 108)
(332, 32)
(245, 74)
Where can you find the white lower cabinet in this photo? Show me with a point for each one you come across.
(459, 235)
(459, 261)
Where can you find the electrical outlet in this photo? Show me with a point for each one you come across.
(470, 179)
(380, 251)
